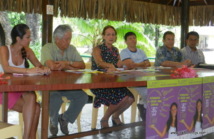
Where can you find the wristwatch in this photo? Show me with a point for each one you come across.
(70, 63)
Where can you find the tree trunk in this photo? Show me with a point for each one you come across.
(157, 35)
(4, 20)
(2, 36)
(33, 21)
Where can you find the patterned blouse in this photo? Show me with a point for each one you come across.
(107, 96)
(108, 55)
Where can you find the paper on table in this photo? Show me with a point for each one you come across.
(27, 74)
(75, 71)
(84, 71)
(120, 70)
(161, 67)
(148, 69)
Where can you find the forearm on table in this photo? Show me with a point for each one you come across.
(52, 65)
(143, 64)
(104, 65)
(77, 64)
(10, 69)
(170, 64)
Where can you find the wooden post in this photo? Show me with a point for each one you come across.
(45, 113)
(184, 21)
(157, 35)
(47, 27)
(4, 107)
(47, 24)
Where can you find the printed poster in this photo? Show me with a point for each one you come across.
(171, 104)
(190, 108)
(208, 105)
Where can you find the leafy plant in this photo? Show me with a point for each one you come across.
(16, 18)
(87, 33)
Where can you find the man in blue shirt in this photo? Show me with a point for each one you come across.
(132, 58)
(168, 55)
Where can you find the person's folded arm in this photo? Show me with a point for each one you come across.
(159, 58)
(54, 65)
(143, 64)
(99, 61)
(171, 64)
(76, 65)
(129, 63)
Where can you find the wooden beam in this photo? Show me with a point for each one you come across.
(47, 24)
(45, 113)
(184, 21)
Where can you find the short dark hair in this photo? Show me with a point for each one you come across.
(193, 33)
(129, 34)
(167, 33)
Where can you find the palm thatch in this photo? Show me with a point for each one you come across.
(201, 15)
(28, 6)
(118, 10)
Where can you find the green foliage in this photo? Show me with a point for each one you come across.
(36, 47)
(150, 30)
(87, 33)
(16, 18)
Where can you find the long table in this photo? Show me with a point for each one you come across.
(61, 80)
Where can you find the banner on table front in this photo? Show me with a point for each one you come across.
(172, 106)
(208, 105)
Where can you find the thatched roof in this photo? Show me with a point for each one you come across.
(178, 3)
(28, 6)
(145, 11)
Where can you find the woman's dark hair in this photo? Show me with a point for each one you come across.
(169, 121)
(195, 117)
(20, 30)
